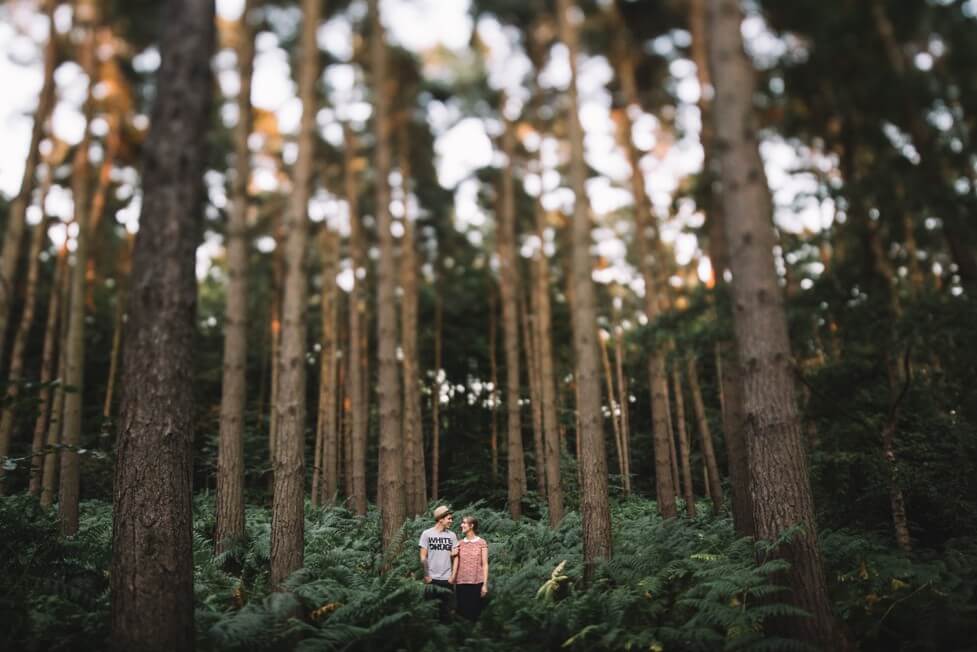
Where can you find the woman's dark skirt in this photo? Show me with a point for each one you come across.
(470, 600)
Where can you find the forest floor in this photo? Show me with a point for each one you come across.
(685, 584)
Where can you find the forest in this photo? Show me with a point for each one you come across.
(677, 297)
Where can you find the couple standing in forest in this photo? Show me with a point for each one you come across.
(449, 562)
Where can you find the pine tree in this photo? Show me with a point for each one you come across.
(152, 565)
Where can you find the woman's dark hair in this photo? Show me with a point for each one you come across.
(472, 521)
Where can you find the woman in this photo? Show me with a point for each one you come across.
(470, 570)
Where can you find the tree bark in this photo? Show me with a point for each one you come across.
(705, 439)
(48, 362)
(152, 544)
(505, 236)
(391, 463)
(16, 217)
(325, 480)
(288, 504)
(14, 375)
(75, 344)
(594, 507)
(778, 466)
(357, 372)
(544, 354)
(684, 450)
(413, 425)
(230, 454)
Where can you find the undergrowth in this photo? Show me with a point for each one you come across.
(686, 584)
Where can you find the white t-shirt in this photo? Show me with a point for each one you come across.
(438, 546)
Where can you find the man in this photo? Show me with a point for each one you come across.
(437, 544)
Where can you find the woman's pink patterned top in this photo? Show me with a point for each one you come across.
(470, 560)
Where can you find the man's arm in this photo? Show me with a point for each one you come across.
(427, 577)
(454, 565)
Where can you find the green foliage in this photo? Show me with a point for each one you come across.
(685, 584)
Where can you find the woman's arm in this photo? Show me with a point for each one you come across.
(485, 569)
(454, 566)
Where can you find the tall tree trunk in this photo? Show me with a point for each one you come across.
(288, 504)
(413, 426)
(16, 216)
(623, 404)
(50, 472)
(705, 438)
(535, 400)
(778, 466)
(647, 235)
(230, 454)
(729, 374)
(594, 508)
(325, 482)
(274, 355)
(124, 269)
(391, 463)
(8, 412)
(152, 543)
(505, 236)
(48, 362)
(494, 379)
(357, 371)
(612, 402)
(436, 398)
(685, 454)
(75, 344)
(547, 376)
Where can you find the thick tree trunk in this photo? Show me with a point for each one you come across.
(705, 439)
(391, 463)
(75, 344)
(505, 236)
(594, 507)
(230, 454)
(413, 425)
(16, 216)
(325, 481)
(288, 504)
(547, 375)
(684, 450)
(48, 362)
(778, 466)
(152, 544)
(357, 372)
(8, 412)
